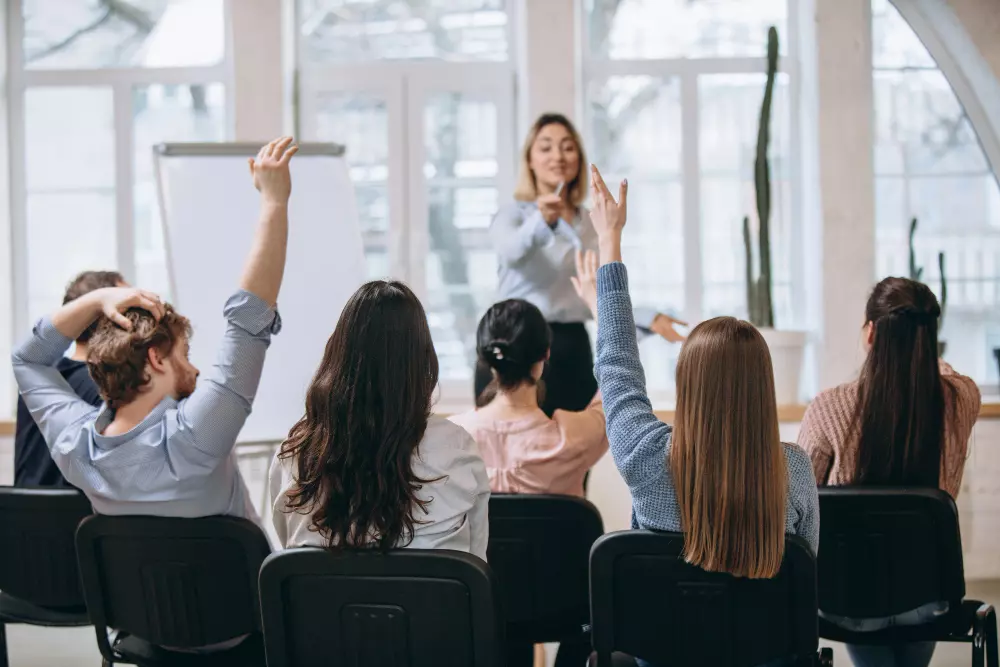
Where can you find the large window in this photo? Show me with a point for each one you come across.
(929, 166)
(421, 94)
(93, 87)
(672, 101)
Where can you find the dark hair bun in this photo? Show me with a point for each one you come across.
(512, 337)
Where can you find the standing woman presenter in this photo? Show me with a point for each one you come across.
(537, 237)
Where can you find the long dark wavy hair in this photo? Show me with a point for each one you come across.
(366, 412)
(901, 403)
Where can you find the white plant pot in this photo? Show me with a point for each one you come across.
(787, 348)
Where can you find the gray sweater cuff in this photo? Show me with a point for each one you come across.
(612, 277)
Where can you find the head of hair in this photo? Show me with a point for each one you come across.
(87, 282)
(366, 412)
(512, 337)
(527, 187)
(901, 402)
(117, 358)
(726, 457)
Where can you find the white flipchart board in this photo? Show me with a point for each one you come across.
(209, 209)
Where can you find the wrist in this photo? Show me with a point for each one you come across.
(273, 201)
(609, 249)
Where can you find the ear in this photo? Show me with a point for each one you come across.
(870, 333)
(156, 360)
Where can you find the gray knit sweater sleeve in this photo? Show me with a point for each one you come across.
(640, 443)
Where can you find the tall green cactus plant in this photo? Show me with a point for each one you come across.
(759, 301)
(917, 272)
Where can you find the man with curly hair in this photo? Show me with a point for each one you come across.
(33, 465)
(161, 445)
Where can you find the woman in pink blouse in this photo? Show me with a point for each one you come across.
(525, 451)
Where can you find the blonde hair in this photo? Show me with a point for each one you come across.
(527, 188)
(726, 458)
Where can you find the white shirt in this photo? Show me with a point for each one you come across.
(457, 515)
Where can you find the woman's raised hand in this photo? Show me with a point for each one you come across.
(585, 280)
(608, 215)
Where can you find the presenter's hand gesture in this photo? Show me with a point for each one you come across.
(666, 326)
(116, 300)
(550, 206)
(270, 170)
(585, 280)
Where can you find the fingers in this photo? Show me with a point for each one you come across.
(680, 322)
(598, 182)
(269, 149)
(120, 320)
(250, 162)
(623, 192)
(580, 267)
(577, 285)
(592, 262)
(280, 146)
(288, 154)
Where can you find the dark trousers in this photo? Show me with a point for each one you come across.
(569, 374)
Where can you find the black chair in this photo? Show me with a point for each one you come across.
(646, 602)
(39, 580)
(885, 551)
(408, 607)
(540, 551)
(186, 584)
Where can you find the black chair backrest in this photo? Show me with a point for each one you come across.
(884, 551)
(647, 602)
(405, 608)
(38, 556)
(179, 583)
(540, 551)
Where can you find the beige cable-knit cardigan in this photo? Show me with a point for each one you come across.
(827, 435)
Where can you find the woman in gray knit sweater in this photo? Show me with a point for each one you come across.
(724, 445)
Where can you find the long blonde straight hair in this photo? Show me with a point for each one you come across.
(727, 459)
(527, 188)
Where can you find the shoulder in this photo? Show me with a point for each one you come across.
(800, 470)
(444, 438)
(839, 400)
(468, 420)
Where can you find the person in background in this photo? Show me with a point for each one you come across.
(905, 421)
(721, 475)
(536, 238)
(525, 450)
(367, 466)
(162, 445)
(33, 465)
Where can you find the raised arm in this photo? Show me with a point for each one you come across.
(51, 401)
(265, 266)
(637, 438)
(216, 411)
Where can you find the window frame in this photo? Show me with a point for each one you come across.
(406, 86)
(687, 72)
(121, 82)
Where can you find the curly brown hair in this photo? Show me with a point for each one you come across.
(117, 358)
(85, 283)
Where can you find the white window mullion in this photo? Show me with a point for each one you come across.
(691, 180)
(124, 195)
(418, 217)
(397, 101)
(18, 165)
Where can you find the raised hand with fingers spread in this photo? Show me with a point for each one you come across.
(270, 169)
(608, 216)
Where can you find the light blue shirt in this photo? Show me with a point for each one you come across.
(177, 462)
(536, 261)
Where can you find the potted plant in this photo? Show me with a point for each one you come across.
(916, 272)
(786, 347)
